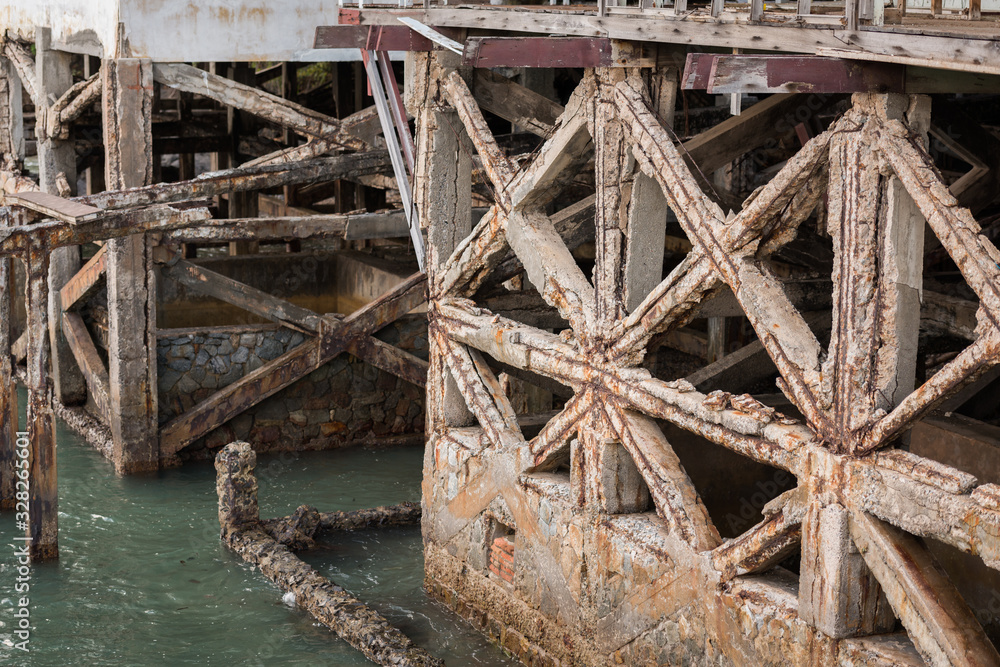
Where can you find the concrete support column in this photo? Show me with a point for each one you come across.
(43, 499)
(442, 194)
(838, 594)
(128, 94)
(58, 158)
(12, 147)
(647, 209)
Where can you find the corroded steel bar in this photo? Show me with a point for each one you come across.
(488, 407)
(534, 186)
(547, 445)
(953, 224)
(613, 188)
(784, 333)
(766, 544)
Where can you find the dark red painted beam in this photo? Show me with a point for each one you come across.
(745, 73)
(538, 52)
(723, 73)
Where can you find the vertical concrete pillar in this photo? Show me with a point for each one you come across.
(43, 500)
(57, 158)
(442, 194)
(647, 209)
(12, 148)
(838, 594)
(128, 94)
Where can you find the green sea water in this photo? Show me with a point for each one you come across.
(143, 579)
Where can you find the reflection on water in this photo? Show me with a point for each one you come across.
(143, 579)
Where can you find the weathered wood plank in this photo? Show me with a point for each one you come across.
(295, 364)
(511, 101)
(247, 98)
(260, 177)
(89, 361)
(940, 623)
(83, 283)
(54, 206)
(243, 296)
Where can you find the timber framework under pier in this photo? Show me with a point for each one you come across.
(712, 299)
(233, 270)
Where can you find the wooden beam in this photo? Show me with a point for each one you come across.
(350, 227)
(390, 359)
(243, 296)
(513, 102)
(940, 623)
(773, 73)
(73, 103)
(82, 285)
(89, 361)
(295, 364)
(260, 177)
(24, 65)
(265, 105)
(735, 136)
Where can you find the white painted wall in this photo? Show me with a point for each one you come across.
(84, 26)
(183, 30)
(226, 30)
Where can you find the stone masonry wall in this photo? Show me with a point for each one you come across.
(343, 402)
